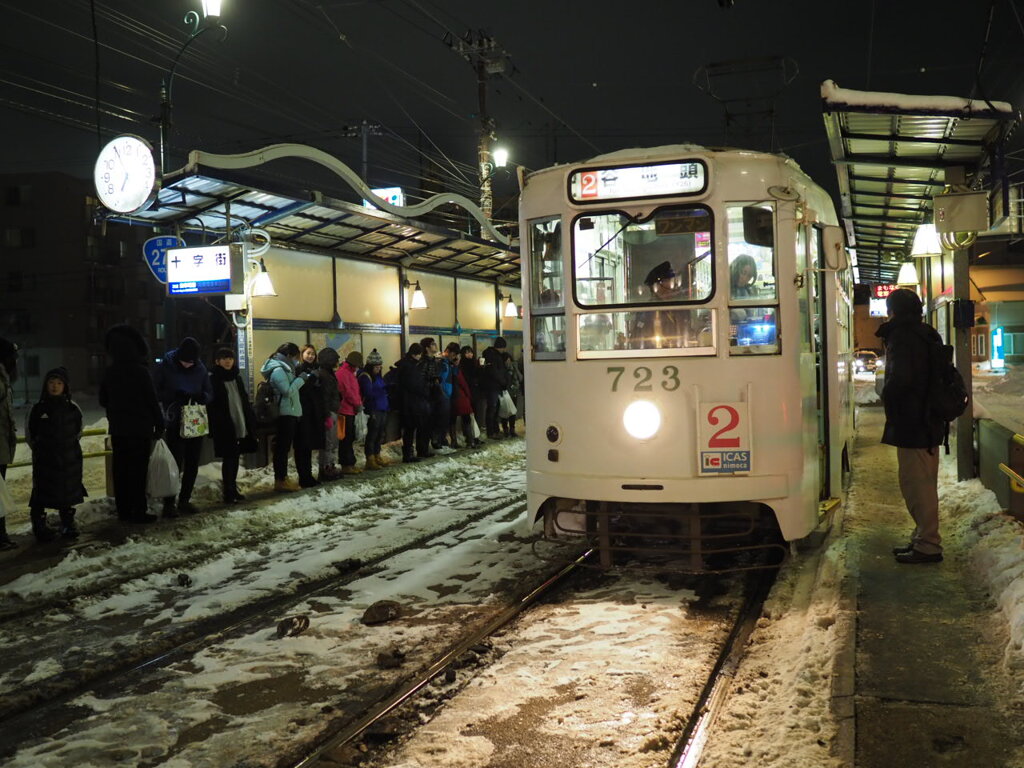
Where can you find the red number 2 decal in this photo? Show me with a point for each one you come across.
(717, 441)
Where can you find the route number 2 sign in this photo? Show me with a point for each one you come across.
(723, 439)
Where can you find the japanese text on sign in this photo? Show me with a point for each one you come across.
(638, 181)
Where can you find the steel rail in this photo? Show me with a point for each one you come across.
(390, 703)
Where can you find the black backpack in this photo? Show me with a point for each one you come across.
(393, 390)
(266, 403)
(947, 393)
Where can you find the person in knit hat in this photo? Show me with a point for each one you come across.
(181, 378)
(8, 432)
(374, 392)
(351, 404)
(53, 431)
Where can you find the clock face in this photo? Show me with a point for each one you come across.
(125, 174)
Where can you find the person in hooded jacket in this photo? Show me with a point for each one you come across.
(415, 405)
(493, 380)
(279, 370)
(8, 430)
(374, 393)
(462, 397)
(232, 422)
(910, 425)
(351, 404)
(327, 459)
(53, 431)
(508, 424)
(181, 378)
(134, 419)
(309, 430)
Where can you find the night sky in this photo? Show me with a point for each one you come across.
(581, 78)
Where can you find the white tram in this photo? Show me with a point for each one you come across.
(688, 358)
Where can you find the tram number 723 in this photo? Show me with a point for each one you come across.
(669, 379)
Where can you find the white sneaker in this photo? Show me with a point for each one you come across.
(444, 450)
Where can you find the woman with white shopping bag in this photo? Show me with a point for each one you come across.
(183, 388)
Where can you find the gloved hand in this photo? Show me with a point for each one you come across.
(158, 433)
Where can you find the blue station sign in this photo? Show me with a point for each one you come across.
(155, 250)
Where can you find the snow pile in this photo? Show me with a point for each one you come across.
(995, 542)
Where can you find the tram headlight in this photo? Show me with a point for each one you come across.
(642, 419)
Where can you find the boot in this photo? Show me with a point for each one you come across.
(381, 461)
(68, 529)
(170, 507)
(285, 485)
(5, 540)
(40, 529)
(371, 463)
(350, 469)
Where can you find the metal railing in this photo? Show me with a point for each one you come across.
(86, 455)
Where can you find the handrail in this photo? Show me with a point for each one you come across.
(1016, 481)
(94, 432)
(1018, 439)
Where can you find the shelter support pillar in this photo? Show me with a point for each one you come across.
(963, 320)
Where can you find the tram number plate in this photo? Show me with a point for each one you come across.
(724, 439)
(644, 379)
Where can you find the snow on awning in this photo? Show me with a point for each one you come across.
(891, 152)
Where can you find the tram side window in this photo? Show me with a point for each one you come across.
(547, 286)
(546, 269)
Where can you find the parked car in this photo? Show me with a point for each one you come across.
(865, 361)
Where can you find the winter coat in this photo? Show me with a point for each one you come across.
(494, 376)
(222, 427)
(373, 390)
(515, 379)
(53, 431)
(328, 359)
(470, 369)
(351, 399)
(444, 375)
(462, 401)
(177, 385)
(415, 392)
(279, 372)
(8, 430)
(126, 390)
(313, 411)
(908, 422)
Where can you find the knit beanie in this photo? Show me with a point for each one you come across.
(188, 350)
(374, 358)
(355, 359)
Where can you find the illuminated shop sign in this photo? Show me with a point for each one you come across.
(661, 180)
(882, 291)
(207, 271)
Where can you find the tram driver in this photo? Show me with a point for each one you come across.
(660, 329)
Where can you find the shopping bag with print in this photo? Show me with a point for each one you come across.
(162, 478)
(194, 421)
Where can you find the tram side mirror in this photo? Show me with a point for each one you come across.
(833, 243)
(758, 228)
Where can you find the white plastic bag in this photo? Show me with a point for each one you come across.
(506, 408)
(361, 420)
(475, 426)
(162, 478)
(6, 499)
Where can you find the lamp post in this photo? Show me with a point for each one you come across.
(209, 20)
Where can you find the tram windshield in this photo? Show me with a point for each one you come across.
(666, 258)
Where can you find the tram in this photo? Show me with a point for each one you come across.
(688, 354)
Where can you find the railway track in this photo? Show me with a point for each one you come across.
(20, 710)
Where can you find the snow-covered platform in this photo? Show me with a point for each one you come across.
(931, 672)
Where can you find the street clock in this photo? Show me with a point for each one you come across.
(125, 174)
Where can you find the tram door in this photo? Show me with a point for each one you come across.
(819, 346)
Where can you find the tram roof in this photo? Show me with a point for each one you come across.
(321, 224)
(891, 152)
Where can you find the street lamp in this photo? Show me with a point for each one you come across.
(209, 20)
(510, 307)
(926, 242)
(419, 299)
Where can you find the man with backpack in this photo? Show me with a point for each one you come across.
(912, 424)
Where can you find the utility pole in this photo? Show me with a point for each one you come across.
(364, 130)
(488, 58)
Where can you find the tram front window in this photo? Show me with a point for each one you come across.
(660, 262)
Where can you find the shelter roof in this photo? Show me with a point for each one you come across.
(892, 151)
(201, 204)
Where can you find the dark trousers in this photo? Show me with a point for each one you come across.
(346, 453)
(441, 420)
(229, 470)
(186, 454)
(303, 451)
(467, 428)
(375, 425)
(284, 435)
(492, 413)
(415, 430)
(130, 463)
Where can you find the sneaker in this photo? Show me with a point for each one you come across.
(410, 459)
(902, 550)
(187, 508)
(381, 461)
(308, 482)
(444, 450)
(913, 557)
(351, 470)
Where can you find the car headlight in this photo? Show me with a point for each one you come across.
(642, 419)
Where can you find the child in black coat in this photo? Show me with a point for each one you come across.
(53, 431)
